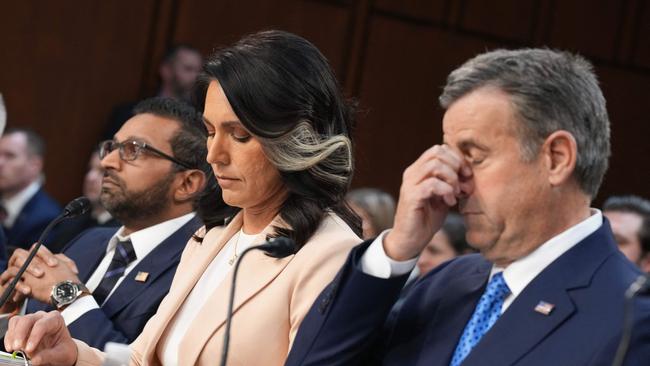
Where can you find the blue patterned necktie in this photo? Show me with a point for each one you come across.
(485, 315)
(124, 254)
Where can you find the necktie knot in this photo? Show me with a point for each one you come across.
(124, 252)
(497, 287)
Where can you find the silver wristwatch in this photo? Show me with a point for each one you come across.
(66, 292)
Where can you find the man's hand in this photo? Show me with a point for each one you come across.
(15, 300)
(45, 271)
(43, 337)
(429, 187)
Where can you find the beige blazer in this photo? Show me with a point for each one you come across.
(271, 299)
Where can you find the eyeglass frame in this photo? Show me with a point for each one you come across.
(139, 147)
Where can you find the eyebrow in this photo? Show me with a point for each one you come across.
(471, 143)
(134, 138)
(233, 123)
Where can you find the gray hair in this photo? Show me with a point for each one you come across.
(550, 90)
(328, 158)
(379, 205)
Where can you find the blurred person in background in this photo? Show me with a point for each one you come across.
(629, 217)
(96, 216)
(375, 207)
(25, 208)
(178, 71)
(3, 238)
(448, 243)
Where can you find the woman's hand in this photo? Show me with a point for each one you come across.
(43, 337)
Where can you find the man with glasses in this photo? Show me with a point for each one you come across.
(108, 282)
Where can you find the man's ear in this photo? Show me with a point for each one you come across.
(644, 263)
(165, 71)
(35, 165)
(560, 152)
(189, 184)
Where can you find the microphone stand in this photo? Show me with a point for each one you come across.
(279, 247)
(74, 208)
(628, 318)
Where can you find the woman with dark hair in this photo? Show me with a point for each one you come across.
(278, 142)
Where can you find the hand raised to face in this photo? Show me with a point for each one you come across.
(430, 186)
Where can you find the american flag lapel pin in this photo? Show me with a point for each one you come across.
(142, 276)
(544, 308)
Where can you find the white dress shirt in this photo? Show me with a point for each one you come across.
(207, 284)
(144, 241)
(14, 205)
(517, 275)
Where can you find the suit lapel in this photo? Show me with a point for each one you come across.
(456, 307)
(164, 256)
(197, 262)
(521, 328)
(256, 271)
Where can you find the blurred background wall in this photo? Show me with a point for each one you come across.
(65, 64)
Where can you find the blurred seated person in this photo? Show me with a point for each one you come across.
(113, 279)
(96, 216)
(375, 207)
(279, 145)
(448, 243)
(178, 71)
(629, 217)
(3, 238)
(25, 207)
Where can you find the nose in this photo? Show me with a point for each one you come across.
(466, 185)
(111, 160)
(218, 150)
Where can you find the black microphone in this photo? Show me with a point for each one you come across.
(76, 207)
(276, 247)
(638, 287)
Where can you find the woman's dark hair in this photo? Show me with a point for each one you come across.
(285, 94)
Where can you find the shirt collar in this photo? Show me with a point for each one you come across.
(15, 204)
(147, 239)
(522, 271)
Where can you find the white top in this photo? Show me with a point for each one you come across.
(207, 284)
(517, 275)
(15, 204)
(144, 241)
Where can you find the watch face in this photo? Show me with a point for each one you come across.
(64, 292)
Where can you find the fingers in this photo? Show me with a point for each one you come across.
(439, 161)
(21, 288)
(50, 324)
(35, 267)
(19, 329)
(46, 256)
(68, 262)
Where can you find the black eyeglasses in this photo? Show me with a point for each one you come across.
(129, 150)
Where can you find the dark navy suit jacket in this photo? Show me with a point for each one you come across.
(123, 316)
(3, 250)
(586, 286)
(32, 220)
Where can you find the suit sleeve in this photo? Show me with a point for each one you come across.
(346, 318)
(96, 329)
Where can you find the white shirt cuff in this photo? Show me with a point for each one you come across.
(78, 308)
(375, 262)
